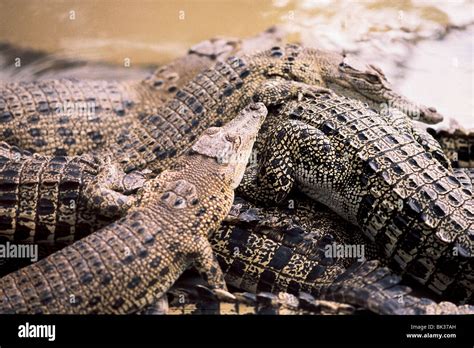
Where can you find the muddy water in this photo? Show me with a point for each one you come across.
(425, 47)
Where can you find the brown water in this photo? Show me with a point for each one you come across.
(425, 47)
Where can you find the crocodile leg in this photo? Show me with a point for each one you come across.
(207, 265)
(108, 192)
(274, 183)
(276, 91)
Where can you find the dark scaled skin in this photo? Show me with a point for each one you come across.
(399, 190)
(458, 144)
(202, 300)
(55, 200)
(283, 250)
(127, 265)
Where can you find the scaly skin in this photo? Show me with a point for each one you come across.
(378, 177)
(160, 133)
(97, 197)
(284, 250)
(221, 91)
(458, 144)
(154, 141)
(202, 300)
(125, 266)
(57, 200)
(71, 116)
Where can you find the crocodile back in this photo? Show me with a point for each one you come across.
(383, 180)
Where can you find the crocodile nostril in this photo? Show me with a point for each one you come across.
(432, 109)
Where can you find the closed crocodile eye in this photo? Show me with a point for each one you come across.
(373, 78)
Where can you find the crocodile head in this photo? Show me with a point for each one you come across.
(370, 81)
(231, 145)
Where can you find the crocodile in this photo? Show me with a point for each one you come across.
(56, 200)
(276, 249)
(152, 134)
(377, 176)
(154, 141)
(127, 265)
(199, 299)
(275, 53)
(457, 143)
(74, 116)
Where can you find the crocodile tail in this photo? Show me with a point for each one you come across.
(368, 285)
(199, 299)
(363, 285)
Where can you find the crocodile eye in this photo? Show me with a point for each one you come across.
(372, 78)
